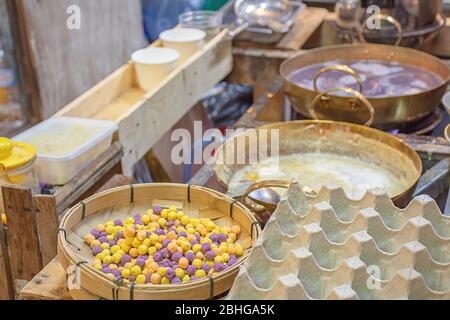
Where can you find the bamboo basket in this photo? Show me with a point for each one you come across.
(196, 201)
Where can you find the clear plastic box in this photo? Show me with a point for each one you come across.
(66, 145)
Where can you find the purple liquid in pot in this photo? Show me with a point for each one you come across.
(380, 78)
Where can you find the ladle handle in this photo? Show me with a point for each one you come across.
(384, 17)
(356, 94)
(266, 184)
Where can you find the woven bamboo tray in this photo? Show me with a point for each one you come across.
(195, 201)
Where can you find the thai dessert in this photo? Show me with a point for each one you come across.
(379, 78)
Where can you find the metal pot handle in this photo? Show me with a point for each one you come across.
(356, 94)
(266, 184)
(384, 17)
(343, 68)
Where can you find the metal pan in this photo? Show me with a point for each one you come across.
(387, 112)
(357, 141)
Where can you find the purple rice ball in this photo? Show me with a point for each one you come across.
(157, 210)
(166, 263)
(139, 222)
(96, 250)
(119, 235)
(149, 233)
(214, 237)
(106, 270)
(102, 239)
(170, 224)
(158, 257)
(95, 233)
(125, 258)
(191, 270)
(176, 280)
(194, 242)
(166, 242)
(210, 255)
(182, 234)
(137, 216)
(140, 263)
(148, 278)
(132, 278)
(176, 256)
(206, 247)
(190, 256)
(194, 278)
(112, 243)
(218, 267)
(170, 273)
(160, 232)
(206, 267)
(103, 234)
(165, 253)
(116, 273)
(118, 222)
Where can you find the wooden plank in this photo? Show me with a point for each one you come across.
(144, 117)
(47, 222)
(6, 283)
(306, 23)
(69, 61)
(49, 284)
(22, 233)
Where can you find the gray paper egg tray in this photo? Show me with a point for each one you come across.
(331, 247)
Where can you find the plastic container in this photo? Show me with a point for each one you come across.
(153, 65)
(186, 41)
(17, 165)
(208, 21)
(65, 146)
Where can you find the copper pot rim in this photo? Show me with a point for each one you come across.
(412, 154)
(285, 75)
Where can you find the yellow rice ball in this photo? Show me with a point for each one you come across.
(140, 279)
(145, 219)
(143, 249)
(161, 271)
(186, 278)
(196, 248)
(200, 274)
(107, 259)
(116, 258)
(110, 229)
(226, 257)
(171, 215)
(105, 245)
(126, 273)
(219, 259)
(164, 213)
(136, 243)
(158, 246)
(197, 263)
(153, 238)
(151, 251)
(129, 220)
(98, 266)
(239, 250)
(180, 273)
(101, 227)
(141, 235)
(100, 256)
(164, 280)
(162, 222)
(136, 270)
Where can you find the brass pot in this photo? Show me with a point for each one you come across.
(357, 141)
(385, 112)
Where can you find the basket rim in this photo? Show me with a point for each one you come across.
(68, 252)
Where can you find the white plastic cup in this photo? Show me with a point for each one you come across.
(153, 65)
(186, 41)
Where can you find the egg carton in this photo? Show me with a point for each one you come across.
(331, 247)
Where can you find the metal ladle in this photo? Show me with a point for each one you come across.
(275, 14)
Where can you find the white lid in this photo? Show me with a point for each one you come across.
(155, 56)
(182, 35)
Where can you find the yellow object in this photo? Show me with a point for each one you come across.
(15, 154)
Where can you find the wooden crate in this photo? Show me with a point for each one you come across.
(143, 117)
